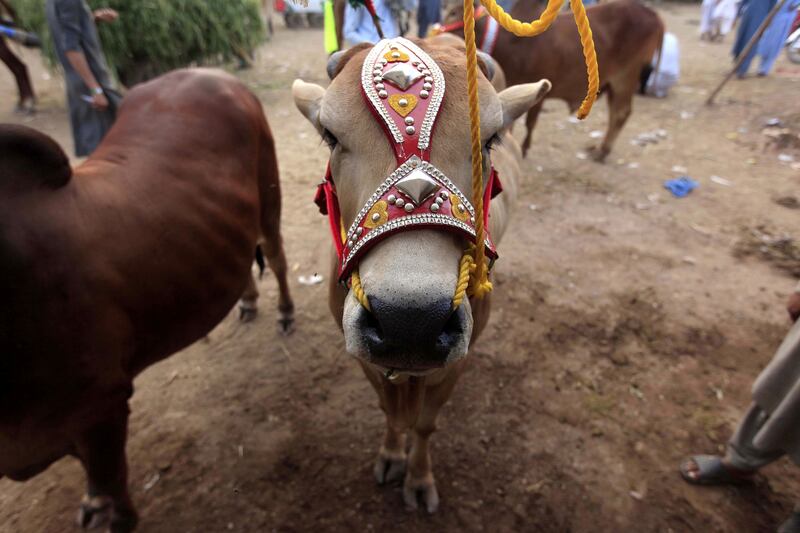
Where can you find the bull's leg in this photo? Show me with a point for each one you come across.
(419, 482)
(620, 100)
(101, 449)
(27, 100)
(272, 246)
(247, 303)
(530, 123)
(276, 259)
(391, 462)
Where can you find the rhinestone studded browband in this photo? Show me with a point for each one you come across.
(404, 89)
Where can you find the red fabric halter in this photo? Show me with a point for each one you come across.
(403, 88)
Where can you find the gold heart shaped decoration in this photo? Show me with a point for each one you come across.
(403, 104)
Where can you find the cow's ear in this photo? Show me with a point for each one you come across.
(517, 100)
(308, 99)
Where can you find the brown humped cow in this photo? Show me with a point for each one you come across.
(377, 115)
(115, 265)
(627, 35)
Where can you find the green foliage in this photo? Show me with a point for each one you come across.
(154, 36)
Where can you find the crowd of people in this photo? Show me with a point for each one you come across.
(719, 16)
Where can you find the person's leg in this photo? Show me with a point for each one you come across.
(422, 20)
(741, 460)
(741, 72)
(741, 454)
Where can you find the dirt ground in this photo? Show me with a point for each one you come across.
(627, 330)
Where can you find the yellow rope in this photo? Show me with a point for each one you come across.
(358, 290)
(465, 268)
(519, 28)
(479, 283)
(589, 55)
(479, 279)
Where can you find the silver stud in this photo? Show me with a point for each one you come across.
(379, 70)
(359, 231)
(402, 102)
(444, 195)
(409, 207)
(384, 61)
(415, 63)
(395, 55)
(400, 202)
(429, 79)
(383, 94)
(460, 208)
(411, 130)
(439, 201)
(392, 199)
(351, 244)
(392, 47)
(426, 72)
(380, 86)
(376, 217)
(377, 79)
(427, 86)
(409, 121)
(424, 94)
(472, 219)
(434, 207)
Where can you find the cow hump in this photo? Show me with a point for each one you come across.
(30, 159)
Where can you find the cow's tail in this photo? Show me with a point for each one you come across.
(262, 265)
(648, 69)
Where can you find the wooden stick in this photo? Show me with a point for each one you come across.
(746, 52)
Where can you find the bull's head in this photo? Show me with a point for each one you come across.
(408, 276)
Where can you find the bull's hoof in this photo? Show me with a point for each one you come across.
(389, 468)
(286, 323)
(598, 153)
(95, 512)
(26, 106)
(247, 311)
(99, 511)
(416, 491)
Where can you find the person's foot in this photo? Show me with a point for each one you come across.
(712, 470)
(792, 524)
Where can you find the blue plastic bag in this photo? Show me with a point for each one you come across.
(680, 187)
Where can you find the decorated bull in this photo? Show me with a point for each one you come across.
(115, 265)
(397, 193)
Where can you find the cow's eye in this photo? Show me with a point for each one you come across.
(329, 139)
(493, 142)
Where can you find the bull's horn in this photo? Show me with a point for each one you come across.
(333, 62)
(488, 61)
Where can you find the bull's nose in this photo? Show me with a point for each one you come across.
(411, 336)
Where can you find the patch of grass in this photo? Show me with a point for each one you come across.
(599, 404)
(154, 36)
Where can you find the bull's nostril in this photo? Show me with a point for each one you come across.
(452, 331)
(371, 329)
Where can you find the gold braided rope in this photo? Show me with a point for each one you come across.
(548, 16)
(465, 268)
(479, 283)
(358, 290)
(476, 266)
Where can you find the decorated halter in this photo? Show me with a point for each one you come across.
(404, 88)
